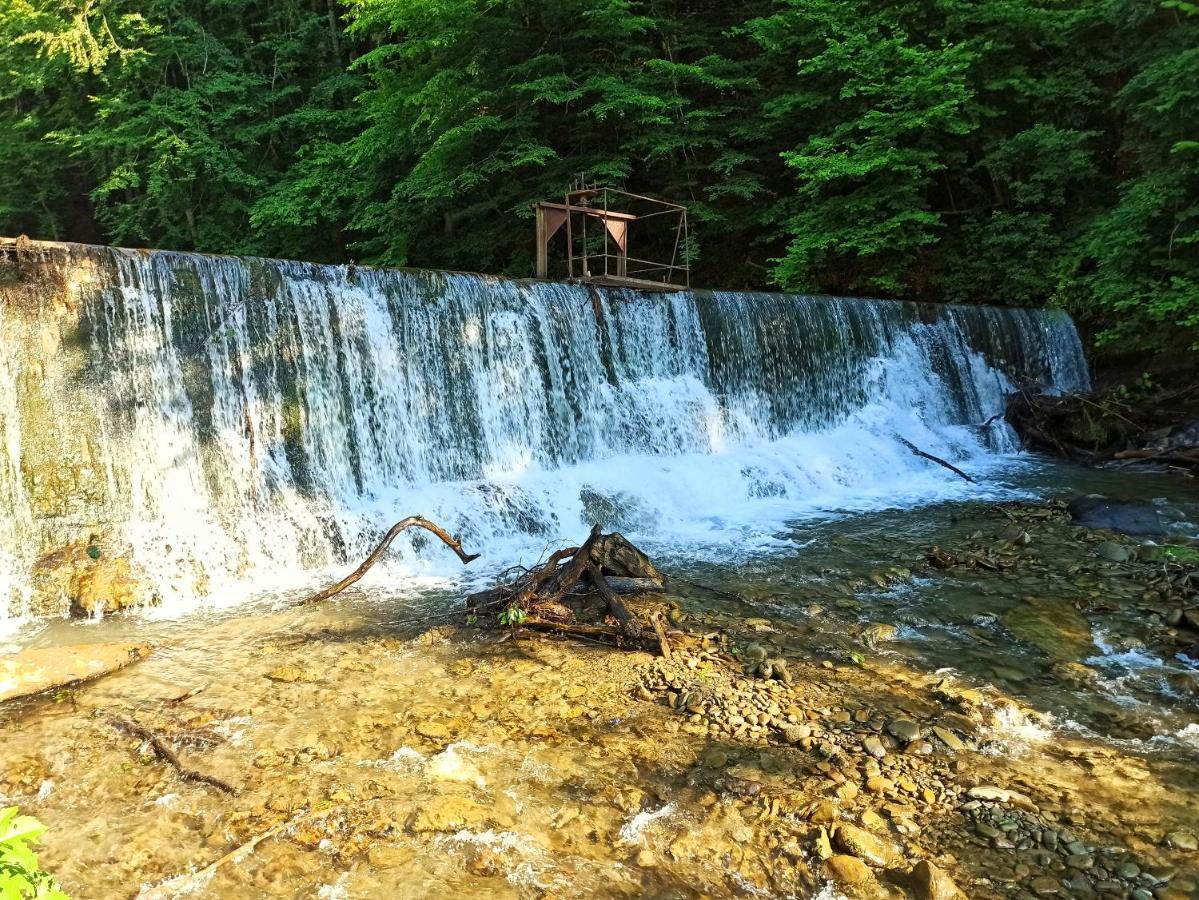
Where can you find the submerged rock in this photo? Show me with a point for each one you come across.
(34, 671)
(1054, 626)
(448, 814)
(948, 738)
(904, 730)
(878, 633)
(1183, 840)
(1124, 516)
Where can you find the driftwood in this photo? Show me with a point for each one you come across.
(34, 671)
(412, 521)
(166, 753)
(615, 605)
(940, 462)
(1099, 428)
(607, 565)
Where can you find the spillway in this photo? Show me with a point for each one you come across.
(229, 426)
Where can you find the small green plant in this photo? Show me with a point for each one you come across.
(20, 877)
(513, 616)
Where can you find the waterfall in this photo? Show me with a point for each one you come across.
(248, 424)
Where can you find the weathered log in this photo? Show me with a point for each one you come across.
(921, 453)
(569, 574)
(622, 586)
(412, 521)
(166, 753)
(616, 606)
(34, 671)
(616, 555)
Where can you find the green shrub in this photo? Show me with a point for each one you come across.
(20, 876)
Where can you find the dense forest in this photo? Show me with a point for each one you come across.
(997, 151)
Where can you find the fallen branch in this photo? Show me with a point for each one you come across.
(660, 631)
(185, 884)
(417, 521)
(602, 633)
(948, 465)
(164, 752)
(607, 565)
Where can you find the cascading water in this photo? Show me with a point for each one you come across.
(261, 422)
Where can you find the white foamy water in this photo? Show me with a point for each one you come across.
(1011, 732)
(264, 422)
(633, 831)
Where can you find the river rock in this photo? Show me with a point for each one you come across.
(1183, 840)
(904, 730)
(33, 671)
(863, 844)
(949, 739)
(1047, 886)
(854, 877)
(992, 794)
(1124, 516)
(755, 654)
(1113, 552)
(874, 747)
(434, 731)
(931, 883)
(622, 559)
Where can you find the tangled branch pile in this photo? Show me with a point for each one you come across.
(551, 596)
(1113, 426)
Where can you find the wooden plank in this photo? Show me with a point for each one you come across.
(587, 211)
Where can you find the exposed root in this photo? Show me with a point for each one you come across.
(1094, 429)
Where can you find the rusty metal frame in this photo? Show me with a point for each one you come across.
(580, 203)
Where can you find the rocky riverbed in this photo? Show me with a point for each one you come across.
(995, 703)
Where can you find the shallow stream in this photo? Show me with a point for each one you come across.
(397, 756)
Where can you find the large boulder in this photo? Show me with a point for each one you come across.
(1125, 516)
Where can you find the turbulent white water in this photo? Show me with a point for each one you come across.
(265, 421)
